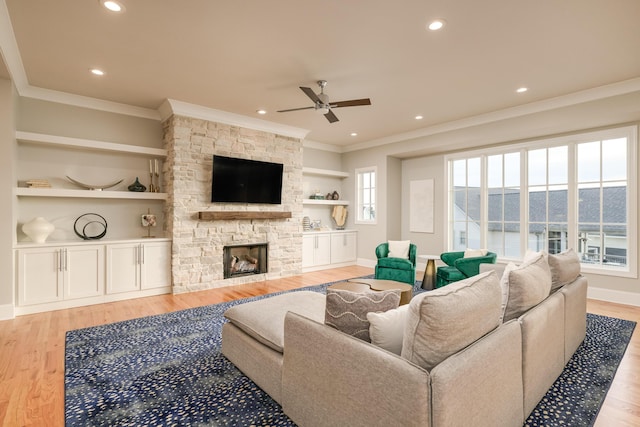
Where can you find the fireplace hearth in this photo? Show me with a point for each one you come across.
(242, 260)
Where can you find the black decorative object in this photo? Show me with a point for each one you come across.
(91, 223)
(335, 196)
(137, 187)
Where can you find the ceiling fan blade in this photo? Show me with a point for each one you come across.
(331, 117)
(311, 94)
(295, 109)
(351, 103)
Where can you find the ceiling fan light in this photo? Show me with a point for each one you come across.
(323, 109)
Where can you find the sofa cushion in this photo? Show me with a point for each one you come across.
(399, 248)
(386, 328)
(472, 253)
(565, 268)
(264, 319)
(448, 319)
(529, 285)
(347, 311)
(504, 287)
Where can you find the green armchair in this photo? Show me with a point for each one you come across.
(458, 267)
(398, 269)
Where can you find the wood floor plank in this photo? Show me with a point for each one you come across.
(32, 348)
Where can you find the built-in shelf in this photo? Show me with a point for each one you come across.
(324, 202)
(231, 215)
(88, 194)
(86, 144)
(324, 172)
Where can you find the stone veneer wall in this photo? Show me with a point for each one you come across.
(197, 245)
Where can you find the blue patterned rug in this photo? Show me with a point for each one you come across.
(167, 370)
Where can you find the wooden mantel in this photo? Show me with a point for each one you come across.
(226, 215)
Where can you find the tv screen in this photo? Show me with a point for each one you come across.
(246, 181)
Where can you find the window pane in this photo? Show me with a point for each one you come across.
(614, 204)
(589, 162)
(512, 170)
(473, 172)
(537, 204)
(494, 171)
(512, 240)
(537, 167)
(495, 238)
(557, 238)
(495, 205)
(558, 203)
(473, 234)
(459, 173)
(473, 204)
(614, 159)
(459, 236)
(589, 243)
(536, 240)
(615, 245)
(589, 203)
(558, 165)
(512, 204)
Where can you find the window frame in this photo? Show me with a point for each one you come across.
(629, 132)
(359, 202)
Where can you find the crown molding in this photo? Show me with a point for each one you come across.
(322, 146)
(588, 95)
(172, 106)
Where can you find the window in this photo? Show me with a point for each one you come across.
(568, 192)
(366, 195)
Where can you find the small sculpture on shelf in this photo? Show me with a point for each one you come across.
(90, 226)
(149, 220)
(137, 186)
(92, 186)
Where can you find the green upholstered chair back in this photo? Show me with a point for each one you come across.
(382, 251)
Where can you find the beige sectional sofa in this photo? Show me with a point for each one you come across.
(461, 363)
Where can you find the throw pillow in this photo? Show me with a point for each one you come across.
(347, 311)
(472, 253)
(399, 248)
(565, 268)
(504, 287)
(446, 320)
(529, 285)
(386, 329)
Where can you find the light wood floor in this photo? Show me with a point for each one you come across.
(32, 348)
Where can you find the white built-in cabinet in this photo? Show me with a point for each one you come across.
(328, 249)
(52, 274)
(137, 266)
(67, 271)
(316, 249)
(343, 247)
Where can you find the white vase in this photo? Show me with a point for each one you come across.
(38, 229)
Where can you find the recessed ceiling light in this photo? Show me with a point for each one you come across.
(261, 111)
(419, 117)
(436, 24)
(354, 134)
(522, 89)
(112, 5)
(97, 72)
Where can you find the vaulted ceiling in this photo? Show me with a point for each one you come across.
(242, 56)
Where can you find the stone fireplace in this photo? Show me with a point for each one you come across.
(198, 260)
(242, 260)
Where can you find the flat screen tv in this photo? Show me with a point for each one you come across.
(246, 181)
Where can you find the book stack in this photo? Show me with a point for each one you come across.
(38, 183)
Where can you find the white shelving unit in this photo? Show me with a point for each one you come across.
(86, 271)
(324, 173)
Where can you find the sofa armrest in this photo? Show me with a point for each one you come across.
(330, 378)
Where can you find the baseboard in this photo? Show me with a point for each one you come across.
(619, 297)
(7, 312)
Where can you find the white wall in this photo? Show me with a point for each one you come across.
(7, 183)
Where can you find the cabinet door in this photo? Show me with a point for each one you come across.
(83, 268)
(155, 265)
(308, 251)
(323, 249)
(343, 247)
(39, 276)
(123, 267)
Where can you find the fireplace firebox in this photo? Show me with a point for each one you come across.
(242, 260)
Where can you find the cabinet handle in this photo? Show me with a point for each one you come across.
(142, 251)
(59, 252)
(66, 260)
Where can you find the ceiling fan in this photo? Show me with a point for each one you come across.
(321, 102)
